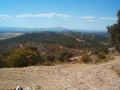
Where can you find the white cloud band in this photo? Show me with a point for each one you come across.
(49, 15)
(4, 17)
(87, 17)
(108, 18)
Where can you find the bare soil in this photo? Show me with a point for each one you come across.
(62, 77)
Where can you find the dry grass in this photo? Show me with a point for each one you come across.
(108, 58)
(48, 63)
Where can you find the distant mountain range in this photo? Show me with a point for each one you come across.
(4, 30)
(57, 29)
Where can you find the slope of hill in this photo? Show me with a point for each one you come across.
(70, 39)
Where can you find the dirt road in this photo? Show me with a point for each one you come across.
(63, 77)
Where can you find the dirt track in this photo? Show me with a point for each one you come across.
(63, 77)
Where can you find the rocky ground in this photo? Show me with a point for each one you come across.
(62, 77)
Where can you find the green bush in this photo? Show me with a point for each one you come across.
(101, 55)
(50, 58)
(18, 58)
(2, 62)
(117, 47)
(65, 56)
(86, 58)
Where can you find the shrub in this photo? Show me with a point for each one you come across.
(18, 58)
(65, 56)
(2, 62)
(50, 58)
(86, 58)
(117, 47)
(101, 55)
(58, 62)
(48, 63)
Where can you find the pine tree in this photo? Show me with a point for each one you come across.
(114, 31)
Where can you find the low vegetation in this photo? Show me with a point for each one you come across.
(2, 61)
(97, 58)
(101, 55)
(48, 63)
(50, 58)
(29, 56)
(65, 56)
(86, 58)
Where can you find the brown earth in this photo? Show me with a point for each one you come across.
(62, 77)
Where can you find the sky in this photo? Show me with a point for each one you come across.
(71, 14)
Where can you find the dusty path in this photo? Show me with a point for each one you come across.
(68, 77)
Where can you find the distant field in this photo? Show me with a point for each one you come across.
(8, 35)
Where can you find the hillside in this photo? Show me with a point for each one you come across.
(53, 40)
(72, 39)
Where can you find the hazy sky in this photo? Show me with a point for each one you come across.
(72, 14)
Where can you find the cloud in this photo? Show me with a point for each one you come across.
(93, 20)
(108, 18)
(4, 17)
(24, 16)
(87, 17)
(48, 15)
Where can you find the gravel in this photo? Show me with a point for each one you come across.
(62, 77)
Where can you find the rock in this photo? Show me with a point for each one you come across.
(13, 88)
(19, 88)
(28, 88)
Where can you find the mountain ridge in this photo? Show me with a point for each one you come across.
(63, 38)
(25, 29)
